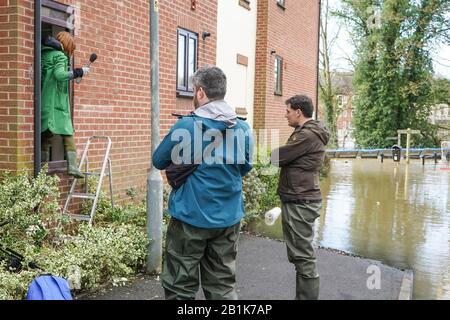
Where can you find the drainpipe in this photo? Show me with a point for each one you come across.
(37, 86)
(154, 180)
(318, 59)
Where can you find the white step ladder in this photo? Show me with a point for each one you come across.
(86, 195)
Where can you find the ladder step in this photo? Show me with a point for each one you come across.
(83, 195)
(83, 217)
(95, 174)
(106, 169)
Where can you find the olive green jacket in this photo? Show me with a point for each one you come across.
(55, 114)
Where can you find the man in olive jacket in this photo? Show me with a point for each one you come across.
(300, 161)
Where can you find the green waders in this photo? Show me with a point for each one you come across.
(298, 230)
(193, 254)
(69, 148)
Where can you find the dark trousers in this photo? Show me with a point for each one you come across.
(69, 142)
(198, 253)
(298, 231)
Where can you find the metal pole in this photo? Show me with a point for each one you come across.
(154, 180)
(37, 86)
(316, 116)
(408, 142)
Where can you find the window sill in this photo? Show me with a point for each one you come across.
(281, 6)
(185, 94)
(245, 4)
(55, 167)
(278, 94)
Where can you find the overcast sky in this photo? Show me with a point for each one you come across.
(343, 49)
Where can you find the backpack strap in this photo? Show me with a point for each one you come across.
(180, 116)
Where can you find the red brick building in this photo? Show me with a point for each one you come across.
(114, 99)
(287, 42)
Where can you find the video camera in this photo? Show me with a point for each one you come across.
(15, 259)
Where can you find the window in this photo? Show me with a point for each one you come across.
(186, 62)
(340, 100)
(345, 100)
(278, 75)
(281, 3)
(58, 17)
(245, 4)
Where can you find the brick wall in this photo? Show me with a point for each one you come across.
(16, 86)
(178, 14)
(292, 33)
(114, 99)
(261, 67)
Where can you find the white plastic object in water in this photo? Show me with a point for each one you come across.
(272, 215)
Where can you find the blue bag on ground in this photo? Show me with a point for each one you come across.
(49, 287)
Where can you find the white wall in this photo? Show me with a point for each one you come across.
(236, 34)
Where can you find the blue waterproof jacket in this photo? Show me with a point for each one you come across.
(222, 144)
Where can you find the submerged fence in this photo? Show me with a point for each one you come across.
(414, 153)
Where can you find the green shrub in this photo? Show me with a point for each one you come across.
(29, 205)
(260, 191)
(13, 286)
(109, 252)
(128, 213)
(101, 254)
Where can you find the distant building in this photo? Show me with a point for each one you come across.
(440, 115)
(342, 82)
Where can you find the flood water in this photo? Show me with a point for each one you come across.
(396, 213)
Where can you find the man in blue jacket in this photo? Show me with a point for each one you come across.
(207, 208)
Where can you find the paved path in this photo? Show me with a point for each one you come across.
(264, 273)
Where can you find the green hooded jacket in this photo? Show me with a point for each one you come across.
(55, 113)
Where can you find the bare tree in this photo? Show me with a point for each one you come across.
(327, 90)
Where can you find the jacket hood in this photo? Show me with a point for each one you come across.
(319, 129)
(51, 43)
(220, 111)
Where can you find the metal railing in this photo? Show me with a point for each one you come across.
(442, 153)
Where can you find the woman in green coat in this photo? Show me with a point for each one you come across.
(55, 114)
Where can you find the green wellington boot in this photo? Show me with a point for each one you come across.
(72, 168)
(307, 288)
